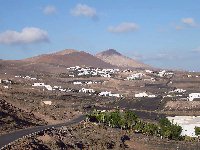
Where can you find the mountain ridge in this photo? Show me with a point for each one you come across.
(117, 59)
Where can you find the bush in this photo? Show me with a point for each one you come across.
(197, 131)
(169, 130)
(150, 129)
(139, 127)
(130, 119)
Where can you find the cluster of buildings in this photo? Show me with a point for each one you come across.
(5, 82)
(161, 73)
(193, 96)
(49, 87)
(26, 77)
(93, 71)
(136, 76)
(85, 82)
(179, 92)
(83, 90)
(144, 94)
(106, 93)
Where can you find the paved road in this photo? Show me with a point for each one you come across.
(10, 137)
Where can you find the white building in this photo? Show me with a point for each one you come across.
(38, 84)
(104, 93)
(188, 124)
(48, 87)
(151, 96)
(143, 94)
(84, 90)
(179, 91)
(106, 75)
(77, 83)
(193, 96)
(136, 76)
(71, 75)
(47, 102)
(89, 82)
(148, 71)
(56, 87)
(114, 95)
(162, 73)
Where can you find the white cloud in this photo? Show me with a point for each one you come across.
(84, 10)
(189, 21)
(124, 27)
(48, 10)
(28, 35)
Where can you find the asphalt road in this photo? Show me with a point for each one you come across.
(10, 137)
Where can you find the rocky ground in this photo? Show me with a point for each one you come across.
(92, 136)
(21, 107)
(13, 118)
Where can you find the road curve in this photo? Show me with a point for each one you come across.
(10, 137)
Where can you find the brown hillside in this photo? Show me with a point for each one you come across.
(115, 58)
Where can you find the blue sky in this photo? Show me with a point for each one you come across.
(160, 33)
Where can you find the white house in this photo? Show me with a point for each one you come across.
(71, 75)
(84, 90)
(38, 84)
(188, 124)
(179, 91)
(56, 87)
(104, 93)
(136, 76)
(47, 102)
(89, 82)
(114, 95)
(62, 90)
(143, 94)
(148, 71)
(48, 87)
(162, 73)
(106, 75)
(151, 96)
(6, 81)
(193, 96)
(77, 83)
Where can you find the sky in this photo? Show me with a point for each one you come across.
(163, 34)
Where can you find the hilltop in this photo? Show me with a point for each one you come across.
(115, 58)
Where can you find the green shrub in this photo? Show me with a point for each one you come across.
(197, 131)
(169, 130)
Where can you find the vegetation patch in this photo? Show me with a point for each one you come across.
(128, 120)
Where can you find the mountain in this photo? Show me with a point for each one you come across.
(113, 57)
(58, 61)
(69, 58)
